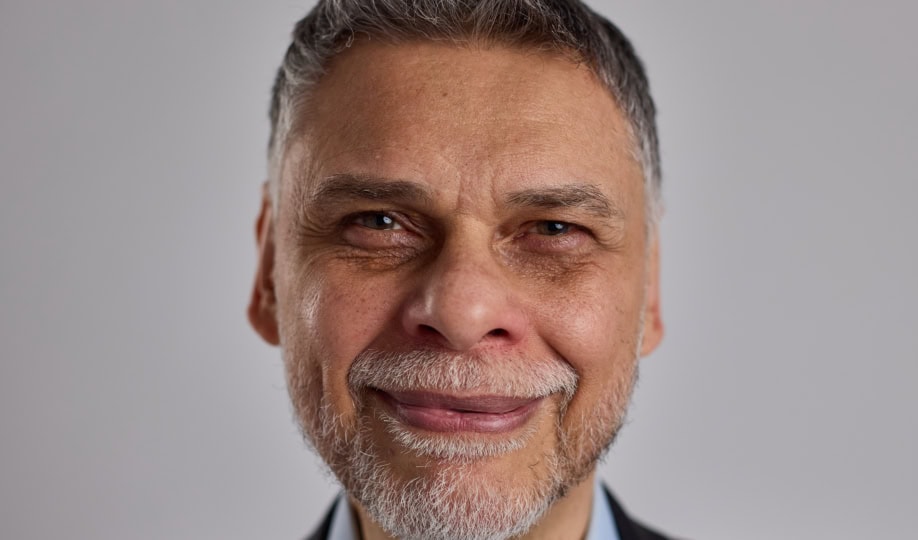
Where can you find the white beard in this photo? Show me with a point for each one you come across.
(451, 505)
(451, 502)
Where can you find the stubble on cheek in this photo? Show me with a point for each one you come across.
(589, 432)
(306, 358)
(329, 432)
(598, 411)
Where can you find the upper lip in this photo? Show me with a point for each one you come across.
(482, 404)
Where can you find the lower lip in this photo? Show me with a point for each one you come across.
(453, 421)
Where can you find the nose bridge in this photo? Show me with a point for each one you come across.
(465, 299)
(465, 273)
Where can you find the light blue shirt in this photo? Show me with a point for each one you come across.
(602, 523)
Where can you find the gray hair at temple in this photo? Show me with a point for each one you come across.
(566, 26)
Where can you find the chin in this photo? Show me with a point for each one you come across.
(475, 498)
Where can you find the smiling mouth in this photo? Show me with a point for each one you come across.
(451, 414)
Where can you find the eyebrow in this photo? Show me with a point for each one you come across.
(346, 186)
(584, 196)
(341, 187)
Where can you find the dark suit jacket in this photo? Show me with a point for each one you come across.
(628, 529)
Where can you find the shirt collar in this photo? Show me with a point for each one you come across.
(602, 522)
(342, 524)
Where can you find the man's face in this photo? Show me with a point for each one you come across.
(460, 276)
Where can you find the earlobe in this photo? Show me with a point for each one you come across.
(653, 320)
(262, 311)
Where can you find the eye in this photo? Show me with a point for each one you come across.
(549, 236)
(551, 228)
(379, 221)
(376, 231)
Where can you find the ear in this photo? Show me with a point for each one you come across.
(653, 320)
(262, 310)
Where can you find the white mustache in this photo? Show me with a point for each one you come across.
(453, 373)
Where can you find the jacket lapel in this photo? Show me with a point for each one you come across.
(322, 531)
(628, 529)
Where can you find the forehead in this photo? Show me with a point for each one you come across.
(453, 116)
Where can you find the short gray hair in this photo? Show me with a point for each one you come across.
(565, 26)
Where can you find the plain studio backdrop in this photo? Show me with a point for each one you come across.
(136, 402)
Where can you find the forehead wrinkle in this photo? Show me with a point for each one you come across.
(584, 196)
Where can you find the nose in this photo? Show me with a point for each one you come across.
(464, 300)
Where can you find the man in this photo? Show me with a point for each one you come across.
(458, 258)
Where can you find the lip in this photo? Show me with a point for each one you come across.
(452, 414)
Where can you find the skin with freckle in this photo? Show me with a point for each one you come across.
(477, 207)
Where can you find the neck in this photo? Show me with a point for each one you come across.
(567, 519)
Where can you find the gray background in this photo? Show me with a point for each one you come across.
(135, 402)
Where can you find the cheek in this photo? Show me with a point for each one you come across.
(336, 319)
(592, 321)
(595, 327)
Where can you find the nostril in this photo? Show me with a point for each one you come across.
(498, 332)
(426, 329)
